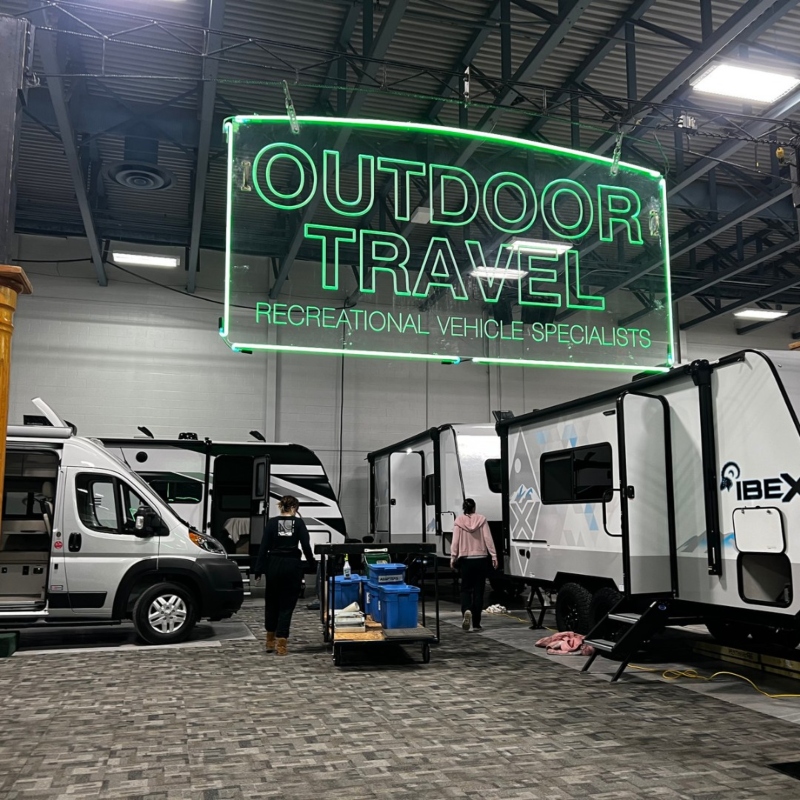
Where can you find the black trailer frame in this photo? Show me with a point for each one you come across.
(422, 635)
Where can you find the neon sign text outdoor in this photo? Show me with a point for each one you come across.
(316, 185)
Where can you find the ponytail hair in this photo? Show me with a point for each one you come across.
(469, 506)
(287, 504)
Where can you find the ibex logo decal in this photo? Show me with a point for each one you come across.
(730, 472)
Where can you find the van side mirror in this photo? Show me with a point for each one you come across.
(148, 523)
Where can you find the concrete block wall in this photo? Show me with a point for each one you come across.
(110, 359)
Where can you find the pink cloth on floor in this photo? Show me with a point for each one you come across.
(566, 643)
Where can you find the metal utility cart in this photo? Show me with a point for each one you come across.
(375, 634)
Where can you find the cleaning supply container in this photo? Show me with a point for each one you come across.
(386, 573)
(346, 591)
(398, 605)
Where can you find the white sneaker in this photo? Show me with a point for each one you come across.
(467, 621)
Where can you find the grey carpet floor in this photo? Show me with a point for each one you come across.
(482, 720)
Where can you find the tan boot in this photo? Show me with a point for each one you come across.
(281, 648)
(270, 642)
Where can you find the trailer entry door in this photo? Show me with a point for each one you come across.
(407, 502)
(648, 512)
(259, 502)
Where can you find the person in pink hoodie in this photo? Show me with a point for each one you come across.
(472, 547)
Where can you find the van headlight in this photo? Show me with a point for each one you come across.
(206, 543)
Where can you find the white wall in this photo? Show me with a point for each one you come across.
(110, 359)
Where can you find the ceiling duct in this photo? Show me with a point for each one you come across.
(139, 170)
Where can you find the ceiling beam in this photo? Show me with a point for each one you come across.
(606, 44)
(716, 43)
(216, 19)
(342, 43)
(763, 294)
(380, 46)
(467, 56)
(47, 43)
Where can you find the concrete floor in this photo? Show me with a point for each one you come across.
(486, 718)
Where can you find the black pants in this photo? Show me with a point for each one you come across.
(284, 577)
(473, 583)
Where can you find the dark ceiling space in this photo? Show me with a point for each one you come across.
(147, 86)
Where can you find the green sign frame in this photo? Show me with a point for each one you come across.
(498, 281)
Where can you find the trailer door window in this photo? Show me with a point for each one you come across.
(494, 474)
(579, 475)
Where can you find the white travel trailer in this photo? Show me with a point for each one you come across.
(228, 488)
(418, 485)
(677, 493)
(85, 540)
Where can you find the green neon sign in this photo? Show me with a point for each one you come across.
(401, 248)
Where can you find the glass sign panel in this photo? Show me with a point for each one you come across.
(398, 240)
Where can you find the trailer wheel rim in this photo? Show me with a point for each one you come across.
(167, 613)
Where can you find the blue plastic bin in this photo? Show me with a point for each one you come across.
(387, 573)
(346, 591)
(398, 606)
(371, 600)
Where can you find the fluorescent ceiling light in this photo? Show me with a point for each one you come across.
(540, 247)
(143, 260)
(745, 83)
(498, 272)
(421, 215)
(759, 313)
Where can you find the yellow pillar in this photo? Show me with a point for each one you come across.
(13, 282)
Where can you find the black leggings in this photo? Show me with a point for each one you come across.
(284, 577)
(473, 582)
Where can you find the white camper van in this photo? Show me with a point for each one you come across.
(227, 489)
(418, 485)
(677, 493)
(85, 539)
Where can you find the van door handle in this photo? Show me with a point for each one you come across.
(74, 542)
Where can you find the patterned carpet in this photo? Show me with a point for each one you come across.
(482, 720)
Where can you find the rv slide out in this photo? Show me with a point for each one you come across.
(678, 492)
(418, 485)
(229, 489)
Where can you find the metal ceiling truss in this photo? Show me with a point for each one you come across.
(47, 43)
(350, 75)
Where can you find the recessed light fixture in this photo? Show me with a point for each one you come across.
(759, 313)
(143, 260)
(744, 83)
(421, 215)
(540, 247)
(498, 272)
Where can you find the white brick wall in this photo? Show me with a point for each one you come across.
(109, 359)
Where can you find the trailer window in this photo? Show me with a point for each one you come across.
(494, 474)
(579, 475)
(174, 488)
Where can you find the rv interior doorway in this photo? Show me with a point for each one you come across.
(231, 503)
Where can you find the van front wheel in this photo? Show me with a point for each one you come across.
(164, 614)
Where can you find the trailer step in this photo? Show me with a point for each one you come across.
(603, 645)
(628, 619)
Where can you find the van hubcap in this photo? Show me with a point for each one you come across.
(167, 613)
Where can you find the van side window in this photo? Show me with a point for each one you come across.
(97, 502)
(130, 505)
(494, 474)
(579, 475)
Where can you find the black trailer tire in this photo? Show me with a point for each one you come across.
(729, 633)
(165, 614)
(573, 608)
(603, 601)
(426, 653)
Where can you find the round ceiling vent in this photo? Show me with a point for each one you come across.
(140, 176)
